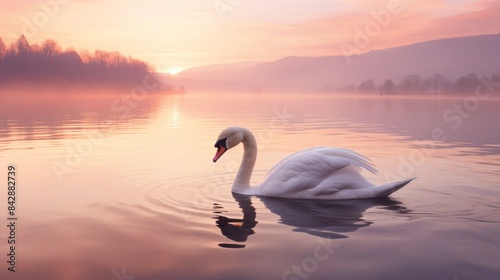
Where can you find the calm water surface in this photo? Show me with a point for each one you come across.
(115, 190)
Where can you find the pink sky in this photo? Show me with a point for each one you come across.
(174, 35)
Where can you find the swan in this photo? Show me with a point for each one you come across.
(314, 173)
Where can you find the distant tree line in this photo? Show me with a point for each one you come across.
(415, 84)
(33, 64)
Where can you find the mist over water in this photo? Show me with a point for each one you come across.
(113, 186)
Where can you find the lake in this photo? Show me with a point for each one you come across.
(113, 186)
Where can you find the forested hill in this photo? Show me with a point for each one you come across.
(22, 63)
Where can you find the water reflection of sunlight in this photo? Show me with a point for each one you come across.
(171, 112)
(175, 116)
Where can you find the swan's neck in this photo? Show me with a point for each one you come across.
(241, 184)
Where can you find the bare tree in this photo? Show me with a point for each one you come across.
(22, 47)
(388, 87)
(367, 86)
(2, 49)
(411, 83)
(50, 48)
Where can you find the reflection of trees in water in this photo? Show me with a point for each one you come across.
(330, 219)
(28, 116)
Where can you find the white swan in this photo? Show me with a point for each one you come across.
(315, 173)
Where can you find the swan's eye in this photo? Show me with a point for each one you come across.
(220, 143)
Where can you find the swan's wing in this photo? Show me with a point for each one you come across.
(316, 172)
(310, 164)
(352, 157)
(309, 173)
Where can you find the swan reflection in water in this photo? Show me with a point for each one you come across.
(329, 219)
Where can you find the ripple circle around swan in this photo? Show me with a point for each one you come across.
(190, 197)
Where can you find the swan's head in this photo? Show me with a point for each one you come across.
(227, 139)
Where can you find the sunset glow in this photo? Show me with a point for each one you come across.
(250, 139)
(192, 33)
(174, 70)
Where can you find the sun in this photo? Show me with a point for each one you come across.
(174, 70)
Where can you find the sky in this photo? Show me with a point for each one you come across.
(174, 35)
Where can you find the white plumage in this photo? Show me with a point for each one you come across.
(314, 173)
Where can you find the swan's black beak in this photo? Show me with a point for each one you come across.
(221, 148)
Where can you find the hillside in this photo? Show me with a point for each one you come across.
(451, 58)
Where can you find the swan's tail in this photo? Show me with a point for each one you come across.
(387, 189)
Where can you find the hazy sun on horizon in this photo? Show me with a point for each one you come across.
(174, 70)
